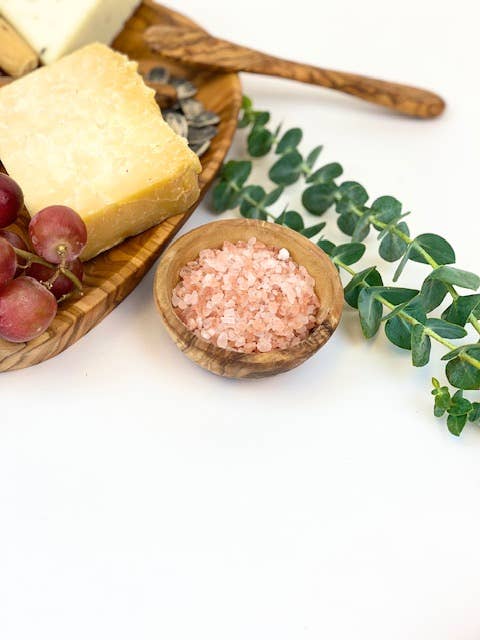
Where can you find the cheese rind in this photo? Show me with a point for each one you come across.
(55, 28)
(86, 132)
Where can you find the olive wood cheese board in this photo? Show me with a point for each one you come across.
(111, 276)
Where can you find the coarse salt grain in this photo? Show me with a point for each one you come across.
(247, 297)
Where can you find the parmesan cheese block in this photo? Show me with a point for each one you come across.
(86, 132)
(57, 27)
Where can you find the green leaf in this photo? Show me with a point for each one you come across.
(253, 209)
(402, 264)
(313, 156)
(367, 277)
(421, 346)
(347, 222)
(353, 195)
(392, 248)
(287, 169)
(291, 219)
(309, 232)
(386, 209)
(455, 424)
(436, 247)
(326, 246)
(460, 309)
(399, 331)
(451, 275)
(370, 311)
(349, 253)
(362, 227)
(236, 171)
(259, 141)
(289, 141)
(433, 293)
(397, 295)
(224, 197)
(227, 192)
(474, 415)
(318, 198)
(442, 398)
(461, 374)
(446, 329)
(326, 174)
(273, 196)
(459, 406)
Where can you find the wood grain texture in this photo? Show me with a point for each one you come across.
(233, 364)
(113, 275)
(200, 48)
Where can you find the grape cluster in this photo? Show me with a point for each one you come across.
(32, 284)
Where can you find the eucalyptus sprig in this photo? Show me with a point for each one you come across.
(404, 312)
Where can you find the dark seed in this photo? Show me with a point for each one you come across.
(200, 149)
(159, 74)
(198, 136)
(177, 122)
(205, 119)
(191, 108)
(185, 88)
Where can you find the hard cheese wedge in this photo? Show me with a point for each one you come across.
(87, 133)
(57, 27)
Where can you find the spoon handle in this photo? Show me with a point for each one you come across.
(198, 47)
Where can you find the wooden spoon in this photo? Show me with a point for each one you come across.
(233, 364)
(198, 47)
(166, 95)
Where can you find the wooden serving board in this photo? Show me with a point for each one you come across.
(113, 275)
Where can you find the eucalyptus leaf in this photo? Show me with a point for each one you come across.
(367, 277)
(349, 253)
(347, 222)
(456, 424)
(313, 156)
(386, 209)
(318, 198)
(370, 311)
(436, 247)
(352, 195)
(460, 309)
(362, 227)
(392, 247)
(325, 174)
(459, 406)
(236, 171)
(273, 196)
(259, 142)
(433, 293)
(291, 219)
(309, 232)
(289, 141)
(454, 276)
(252, 206)
(399, 331)
(287, 169)
(326, 246)
(474, 415)
(420, 345)
(446, 329)
(461, 374)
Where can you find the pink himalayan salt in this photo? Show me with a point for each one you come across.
(246, 297)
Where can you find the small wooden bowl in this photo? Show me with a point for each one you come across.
(233, 364)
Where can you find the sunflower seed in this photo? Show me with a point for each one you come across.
(191, 108)
(177, 122)
(185, 88)
(204, 119)
(158, 74)
(199, 136)
(200, 149)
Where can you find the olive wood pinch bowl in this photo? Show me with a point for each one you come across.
(233, 364)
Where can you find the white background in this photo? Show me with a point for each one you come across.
(142, 497)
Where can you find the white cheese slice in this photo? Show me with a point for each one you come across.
(86, 132)
(57, 27)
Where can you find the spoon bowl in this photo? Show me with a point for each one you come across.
(234, 364)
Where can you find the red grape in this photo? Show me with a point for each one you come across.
(58, 234)
(17, 242)
(11, 200)
(62, 284)
(8, 262)
(14, 239)
(26, 309)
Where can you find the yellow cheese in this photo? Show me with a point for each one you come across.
(87, 133)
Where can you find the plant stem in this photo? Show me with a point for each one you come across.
(472, 319)
(413, 321)
(32, 257)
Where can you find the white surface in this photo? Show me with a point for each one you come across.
(141, 497)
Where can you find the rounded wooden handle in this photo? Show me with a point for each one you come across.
(200, 48)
